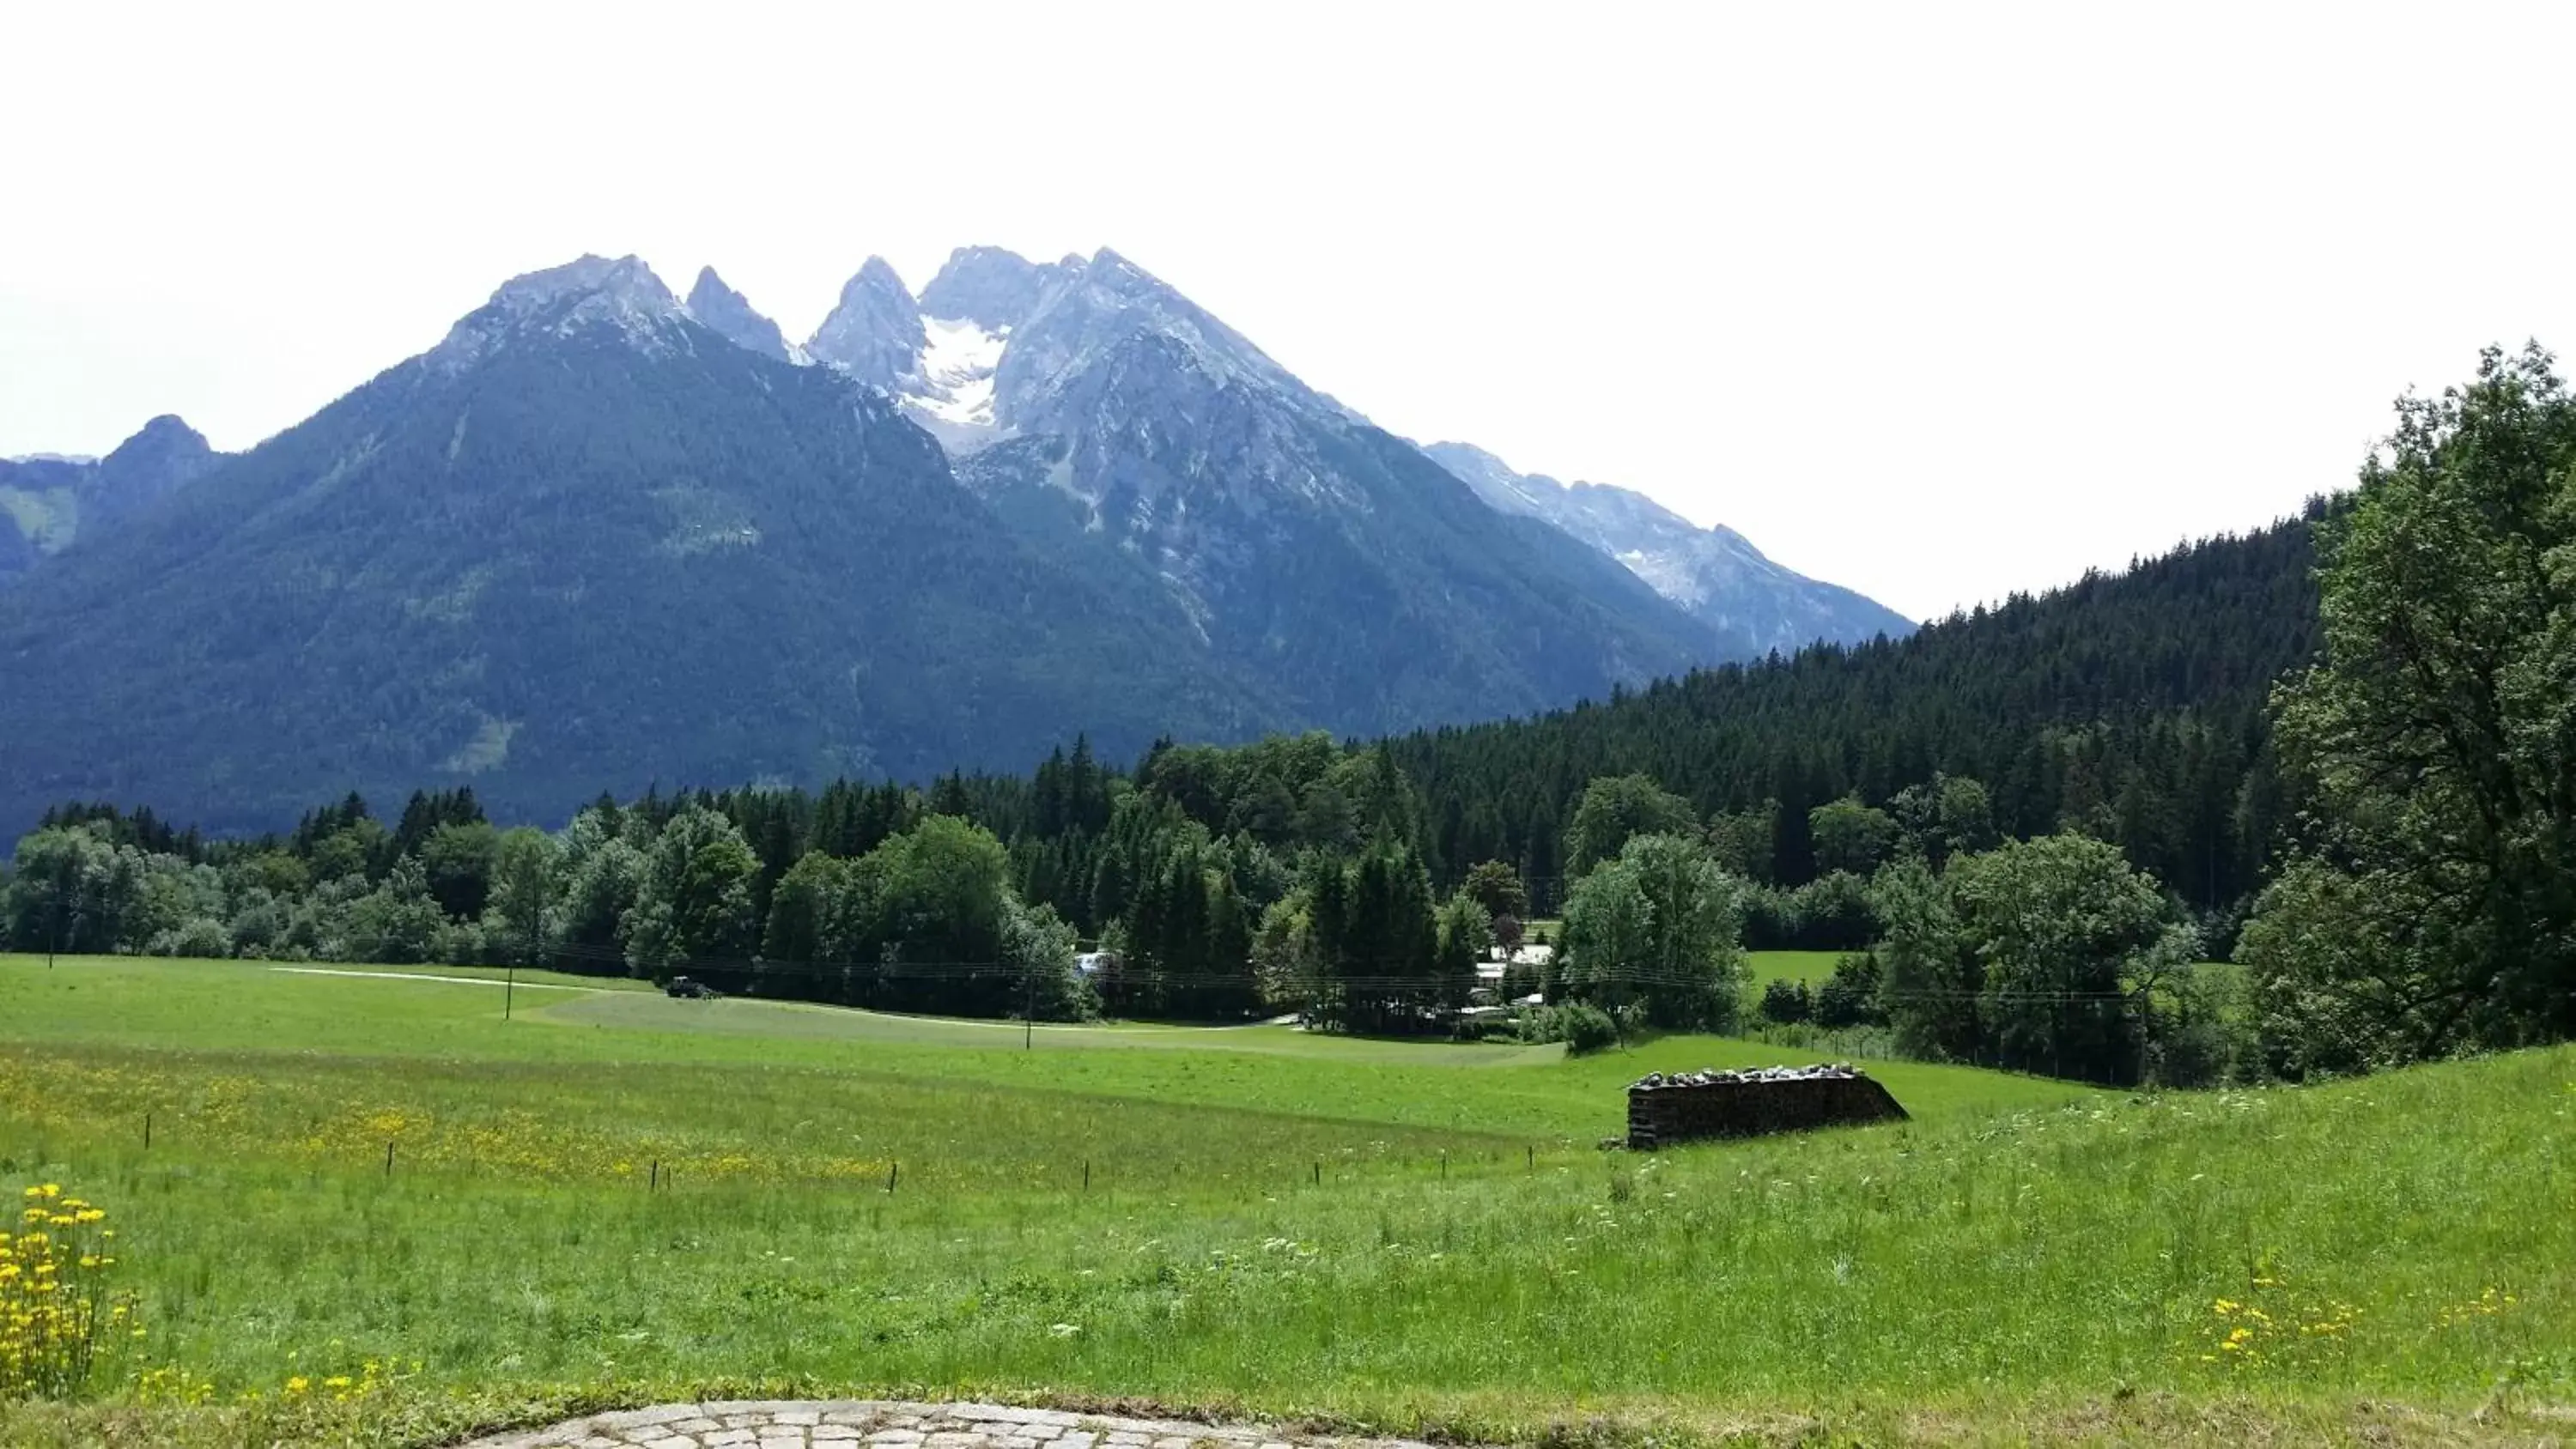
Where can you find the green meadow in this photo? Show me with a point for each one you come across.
(1761, 968)
(615, 1197)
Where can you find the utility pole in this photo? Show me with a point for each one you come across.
(1029, 1012)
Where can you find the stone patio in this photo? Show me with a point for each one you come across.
(892, 1425)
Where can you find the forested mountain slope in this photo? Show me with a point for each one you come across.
(48, 502)
(2131, 705)
(1122, 428)
(585, 543)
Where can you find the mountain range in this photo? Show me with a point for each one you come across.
(45, 501)
(600, 536)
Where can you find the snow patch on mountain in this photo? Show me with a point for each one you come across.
(1715, 574)
(1669, 574)
(1184, 439)
(953, 380)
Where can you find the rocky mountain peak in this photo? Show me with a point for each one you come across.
(874, 332)
(1752, 604)
(163, 455)
(624, 282)
(1109, 307)
(731, 316)
(991, 287)
(1532, 495)
(158, 444)
(588, 293)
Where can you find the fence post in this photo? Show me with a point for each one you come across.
(389, 1159)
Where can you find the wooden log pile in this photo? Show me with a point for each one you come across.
(1671, 1107)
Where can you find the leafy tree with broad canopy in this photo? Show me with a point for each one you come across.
(2049, 955)
(2430, 907)
(1660, 927)
(526, 878)
(1496, 885)
(694, 902)
(1616, 808)
(1850, 836)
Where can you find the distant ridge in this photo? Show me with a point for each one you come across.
(600, 536)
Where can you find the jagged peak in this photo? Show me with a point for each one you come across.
(874, 332)
(1453, 451)
(965, 262)
(167, 434)
(1498, 483)
(626, 279)
(993, 287)
(730, 315)
(1108, 269)
(876, 273)
(589, 291)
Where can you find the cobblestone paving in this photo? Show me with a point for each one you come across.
(888, 1425)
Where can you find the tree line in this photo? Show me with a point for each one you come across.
(2337, 751)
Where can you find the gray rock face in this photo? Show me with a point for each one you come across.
(1141, 415)
(874, 333)
(590, 294)
(166, 455)
(991, 287)
(1754, 605)
(1118, 423)
(1110, 309)
(610, 548)
(730, 315)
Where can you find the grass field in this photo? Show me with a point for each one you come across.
(615, 1197)
(1764, 967)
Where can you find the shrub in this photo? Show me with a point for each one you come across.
(1849, 997)
(198, 937)
(1770, 922)
(1787, 1001)
(1586, 1028)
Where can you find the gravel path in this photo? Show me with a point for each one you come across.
(890, 1425)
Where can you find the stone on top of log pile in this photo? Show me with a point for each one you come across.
(1669, 1107)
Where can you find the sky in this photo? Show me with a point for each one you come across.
(1938, 302)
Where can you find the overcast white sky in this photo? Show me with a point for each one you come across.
(1935, 301)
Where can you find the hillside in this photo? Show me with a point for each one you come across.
(1417, 1238)
(2132, 703)
(1121, 427)
(603, 539)
(1716, 574)
(47, 503)
(584, 542)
